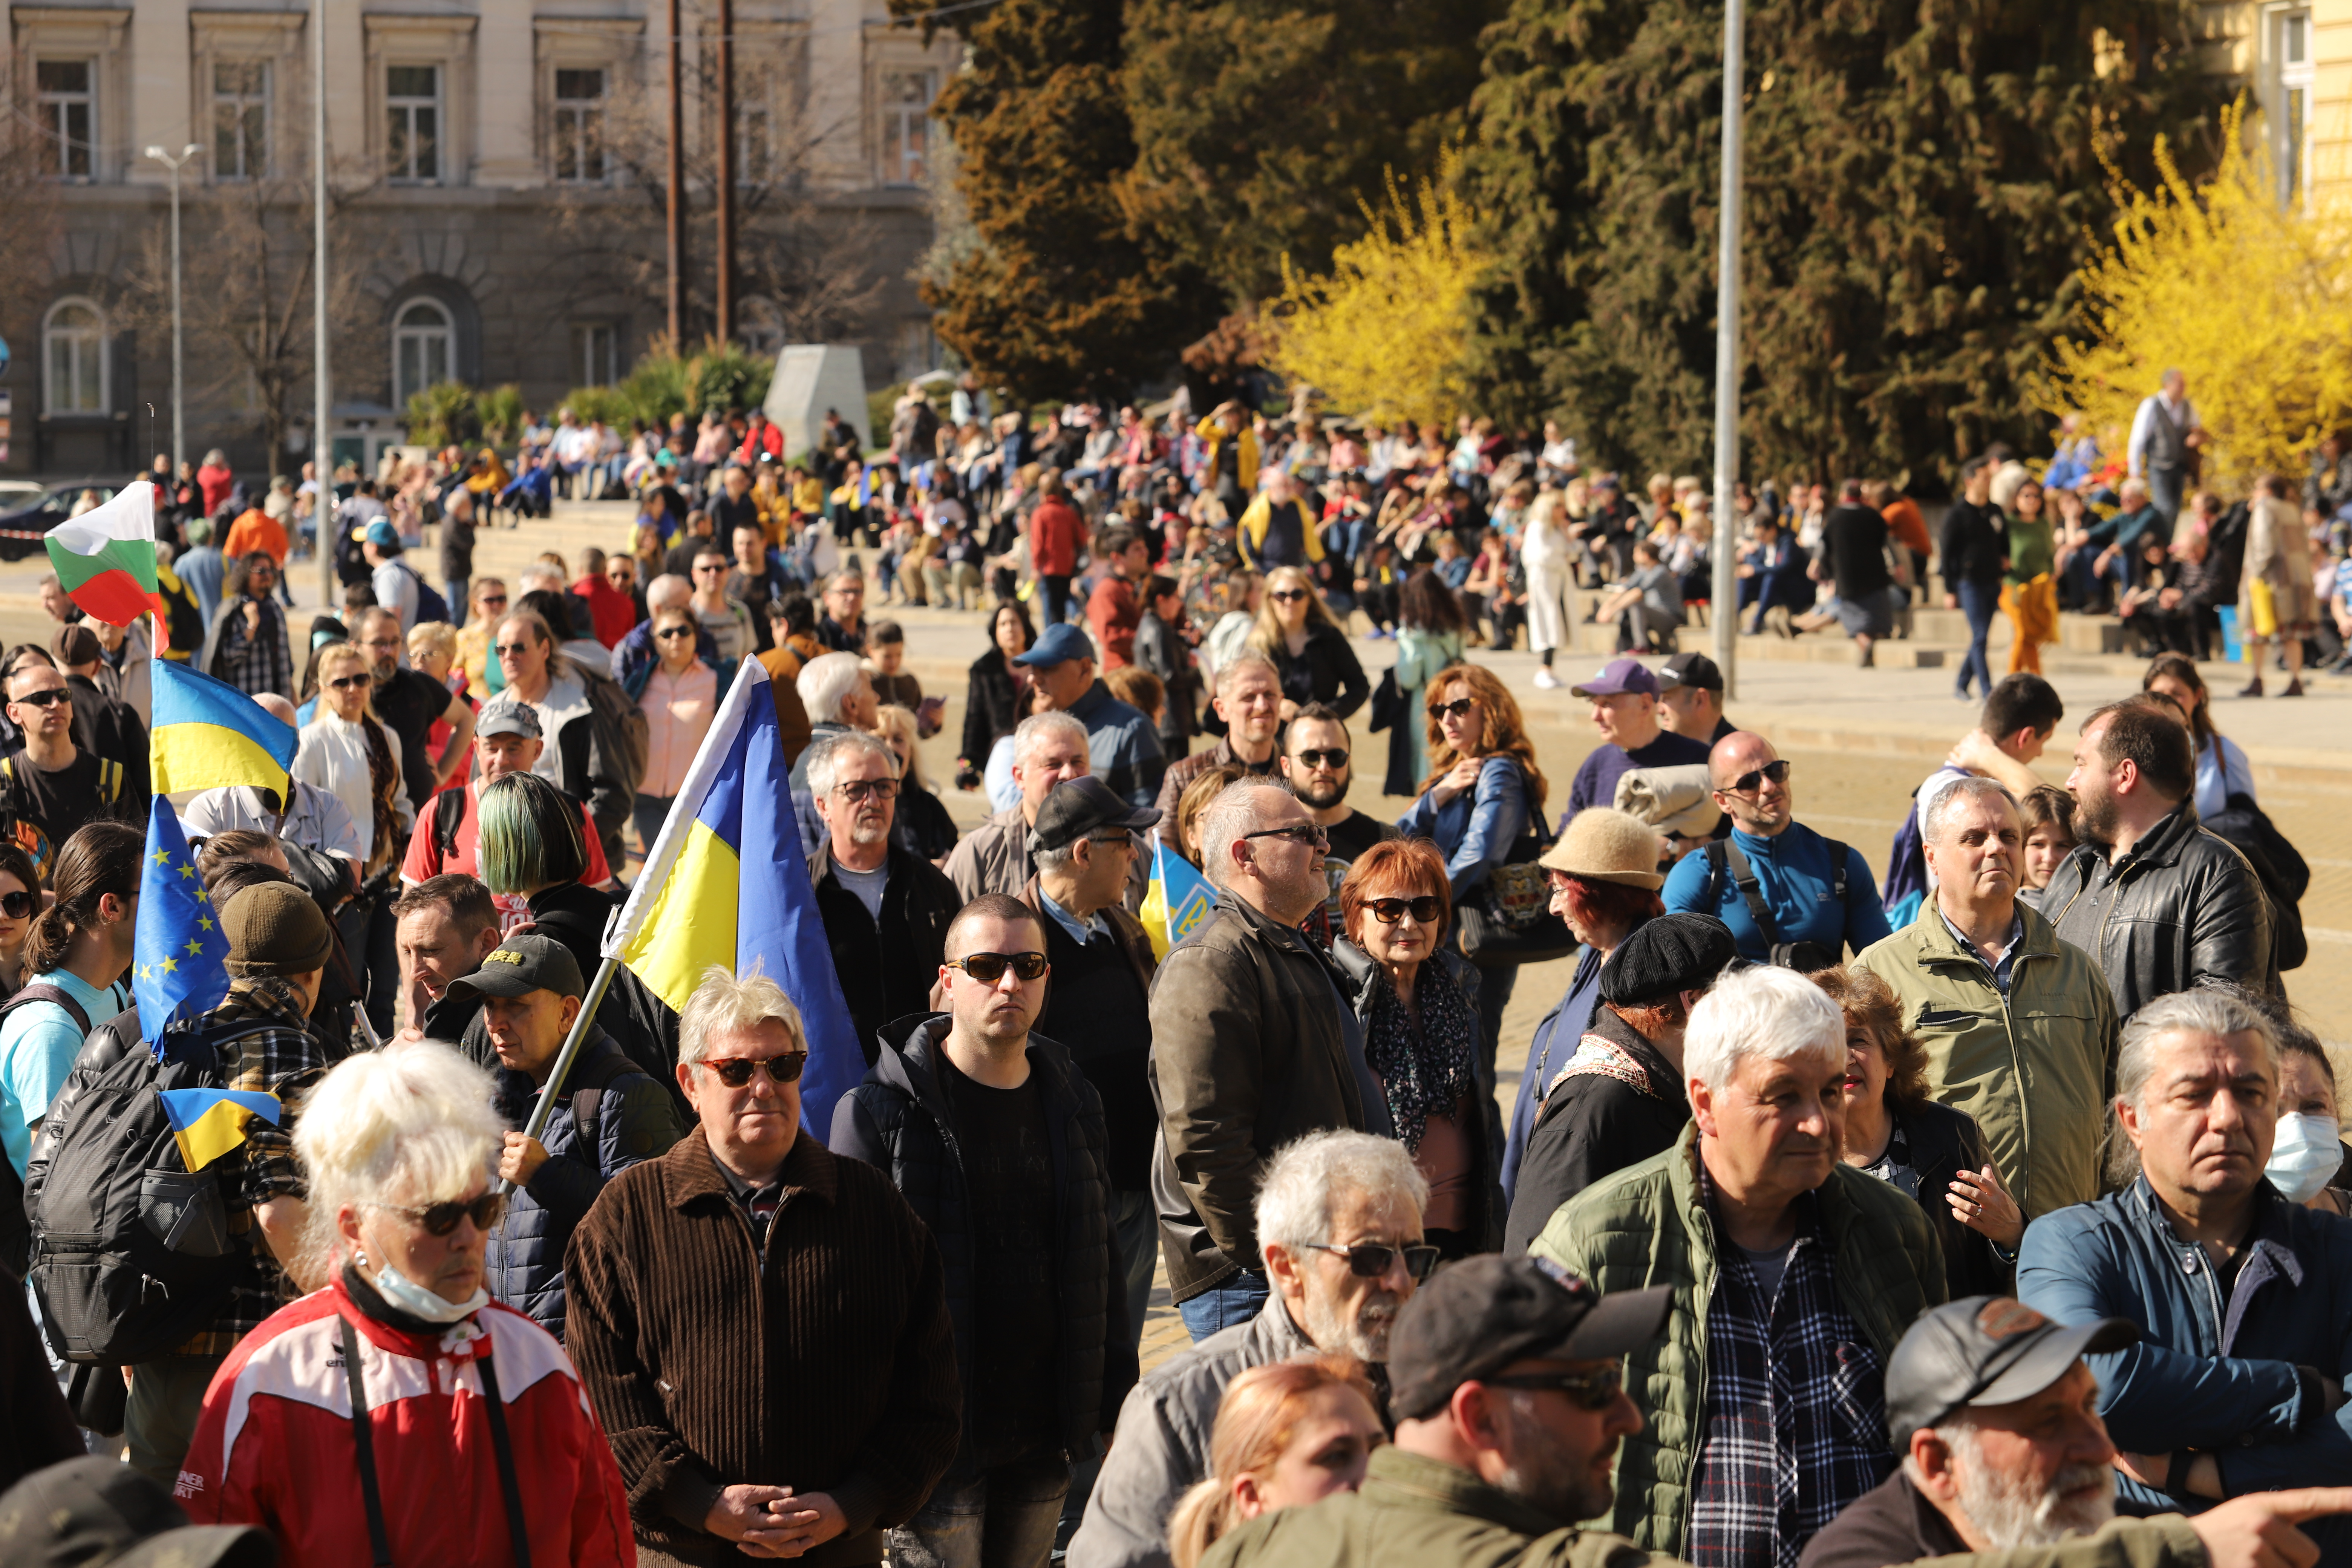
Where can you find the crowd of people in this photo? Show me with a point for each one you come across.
(1993, 1207)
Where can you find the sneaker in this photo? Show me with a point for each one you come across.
(1546, 679)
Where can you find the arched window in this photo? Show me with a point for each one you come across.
(73, 357)
(424, 349)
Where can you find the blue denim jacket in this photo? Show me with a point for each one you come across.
(1475, 829)
(2212, 1371)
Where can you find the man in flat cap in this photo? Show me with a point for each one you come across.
(1620, 1099)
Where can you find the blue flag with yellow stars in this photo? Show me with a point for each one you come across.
(179, 957)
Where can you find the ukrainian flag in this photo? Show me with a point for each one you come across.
(208, 1122)
(207, 733)
(727, 883)
(1177, 898)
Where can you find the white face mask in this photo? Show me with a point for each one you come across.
(2304, 1154)
(401, 1291)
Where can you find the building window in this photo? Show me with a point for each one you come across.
(600, 354)
(65, 95)
(423, 349)
(240, 119)
(73, 356)
(579, 129)
(412, 139)
(906, 126)
(754, 149)
(2293, 150)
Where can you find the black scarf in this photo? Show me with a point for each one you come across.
(1425, 1071)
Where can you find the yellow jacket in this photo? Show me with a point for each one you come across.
(1245, 454)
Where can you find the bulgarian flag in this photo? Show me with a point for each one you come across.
(106, 559)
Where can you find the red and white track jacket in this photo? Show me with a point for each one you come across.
(274, 1446)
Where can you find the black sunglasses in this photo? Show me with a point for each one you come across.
(493, 599)
(668, 632)
(17, 906)
(988, 968)
(345, 682)
(736, 1071)
(1777, 772)
(1593, 1391)
(1288, 594)
(1388, 911)
(46, 697)
(440, 1219)
(1370, 1260)
(513, 649)
(1457, 709)
(1332, 757)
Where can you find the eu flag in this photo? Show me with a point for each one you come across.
(179, 958)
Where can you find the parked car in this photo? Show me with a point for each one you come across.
(21, 529)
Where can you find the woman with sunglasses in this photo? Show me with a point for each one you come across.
(1288, 1434)
(1418, 1006)
(397, 1388)
(487, 604)
(348, 752)
(1307, 646)
(20, 900)
(679, 701)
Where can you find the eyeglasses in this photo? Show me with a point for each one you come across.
(440, 1219)
(1457, 709)
(868, 789)
(513, 649)
(1746, 783)
(710, 566)
(1370, 1260)
(736, 1071)
(1301, 833)
(345, 682)
(988, 968)
(492, 601)
(1593, 1391)
(1332, 757)
(1287, 596)
(44, 698)
(668, 632)
(17, 906)
(1389, 911)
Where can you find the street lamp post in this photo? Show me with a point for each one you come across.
(323, 467)
(1725, 611)
(179, 415)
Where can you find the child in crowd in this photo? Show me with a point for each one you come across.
(886, 658)
(2049, 817)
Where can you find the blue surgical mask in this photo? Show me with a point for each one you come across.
(2304, 1154)
(416, 1301)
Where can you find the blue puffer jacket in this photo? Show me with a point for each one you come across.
(2219, 1370)
(635, 1119)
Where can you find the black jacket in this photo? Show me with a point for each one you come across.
(1597, 1121)
(1326, 671)
(2183, 908)
(887, 972)
(1973, 543)
(1101, 1001)
(1160, 649)
(111, 728)
(1889, 1523)
(1945, 1142)
(901, 1121)
(991, 707)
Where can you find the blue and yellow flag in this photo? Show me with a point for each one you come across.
(727, 884)
(179, 953)
(207, 733)
(208, 1122)
(1177, 898)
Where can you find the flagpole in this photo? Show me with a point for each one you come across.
(536, 1126)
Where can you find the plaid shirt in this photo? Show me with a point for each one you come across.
(256, 664)
(1796, 1410)
(284, 1059)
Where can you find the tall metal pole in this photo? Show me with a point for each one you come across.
(677, 185)
(179, 410)
(1725, 611)
(322, 507)
(726, 326)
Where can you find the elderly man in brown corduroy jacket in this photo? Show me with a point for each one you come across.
(761, 1328)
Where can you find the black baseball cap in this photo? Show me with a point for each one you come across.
(96, 1510)
(1695, 670)
(1076, 807)
(520, 965)
(1985, 1349)
(1478, 1317)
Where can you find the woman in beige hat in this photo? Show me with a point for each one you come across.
(1604, 884)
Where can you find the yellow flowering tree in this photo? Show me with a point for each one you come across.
(2250, 297)
(1382, 333)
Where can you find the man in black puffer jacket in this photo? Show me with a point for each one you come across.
(997, 1139)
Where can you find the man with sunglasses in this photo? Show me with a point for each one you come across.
(996, 1139)
(1789, 895)
(53, 785)
(1315, 760)
(608, 1116)
(410, 702)
(725, 618)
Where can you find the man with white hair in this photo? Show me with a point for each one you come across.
(2019, 1026)
(2165, 430)
(886, 910)
(1339, 1222)
(838, 696)
(994, 857)
(1794, 1278)
(1251, 1048)
(2239, 1293)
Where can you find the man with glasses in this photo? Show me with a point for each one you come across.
(727, 618)
(1316, 760)
(997, 1139)
(756, 579)
(759, 1323)
(841, 628)
(54, 787)
(608, 1116)
(1624, 698)
(409, 702)
(1338, 1217)
(1251, 1048)
(886, 910)
(1790, 897)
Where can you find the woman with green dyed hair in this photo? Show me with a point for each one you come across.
(532, 855)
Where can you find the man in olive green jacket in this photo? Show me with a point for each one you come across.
(2021, 1027)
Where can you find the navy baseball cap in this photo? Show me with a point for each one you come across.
(1057, 644)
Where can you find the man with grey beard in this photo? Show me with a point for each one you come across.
(1997, 1419)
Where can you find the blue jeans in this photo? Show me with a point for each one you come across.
(2164, 493)
(1004, 1518)
(1237, 1301)
(1980, 603)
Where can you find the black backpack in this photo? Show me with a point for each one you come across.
(131, 1252)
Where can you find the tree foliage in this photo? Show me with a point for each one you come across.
(1262, 126)
(2250, 297)
(1921, 182)
(1382, 333)
(1059, 292)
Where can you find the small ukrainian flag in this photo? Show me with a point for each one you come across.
(208, 1122)
(1176, 899)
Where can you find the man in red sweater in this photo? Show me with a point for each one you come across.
(1057, 533)
(1112, 609)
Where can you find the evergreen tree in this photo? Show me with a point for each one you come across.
(1261, 126)
(1923, 179)
(1060, 294)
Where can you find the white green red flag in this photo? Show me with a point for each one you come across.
(105, 558)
